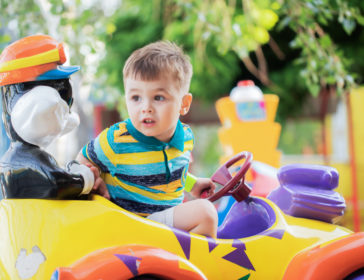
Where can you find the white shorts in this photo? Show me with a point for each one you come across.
(164, 217)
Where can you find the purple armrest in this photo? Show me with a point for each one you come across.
(307, 191)
(317, 176)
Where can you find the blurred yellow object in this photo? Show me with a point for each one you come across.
(258, 137)
(344, 167)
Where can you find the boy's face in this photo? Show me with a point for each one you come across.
(155, 106)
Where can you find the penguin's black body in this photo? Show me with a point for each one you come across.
(26, 170)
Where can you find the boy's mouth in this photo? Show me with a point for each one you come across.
(148, 121)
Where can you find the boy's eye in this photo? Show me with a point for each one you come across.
(135, 98)
(159, 98)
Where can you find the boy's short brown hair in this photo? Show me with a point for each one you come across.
(157, 59)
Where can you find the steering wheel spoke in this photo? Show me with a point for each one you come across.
(221, 176)
(233, 185)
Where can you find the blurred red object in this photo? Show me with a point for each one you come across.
(264, 179)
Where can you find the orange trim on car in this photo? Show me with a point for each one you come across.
(332, 261)
(125, 262)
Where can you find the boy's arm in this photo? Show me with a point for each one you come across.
(199, 187)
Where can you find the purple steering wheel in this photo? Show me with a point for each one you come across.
(236, 185)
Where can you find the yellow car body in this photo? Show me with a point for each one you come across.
(64, 232)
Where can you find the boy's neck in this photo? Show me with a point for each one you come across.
(176, 140)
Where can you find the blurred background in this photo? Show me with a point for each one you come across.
(308, 54)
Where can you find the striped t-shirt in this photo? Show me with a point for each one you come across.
(143, 175)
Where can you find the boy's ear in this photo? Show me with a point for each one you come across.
(186, 104)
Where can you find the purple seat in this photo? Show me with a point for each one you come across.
(247, 218)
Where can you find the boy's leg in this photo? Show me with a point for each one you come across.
(198, 216)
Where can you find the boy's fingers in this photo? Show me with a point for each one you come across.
(104, 192)
(207, 192)
(212, 186)
(100, 188)
(88, 164)
(97, 184)
(93, 168)
(95, 171)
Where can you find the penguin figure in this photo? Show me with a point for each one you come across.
(36, 98)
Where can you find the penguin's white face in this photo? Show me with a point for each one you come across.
(41, 115)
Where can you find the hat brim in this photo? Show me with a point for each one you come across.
(61, 72)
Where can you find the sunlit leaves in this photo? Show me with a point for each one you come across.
(110, 28)
(265, 17)
(323, 64)
(241, 28)
(214, 32)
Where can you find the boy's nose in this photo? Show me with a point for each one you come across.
(147, 108)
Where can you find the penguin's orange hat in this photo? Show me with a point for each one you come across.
(34, 58)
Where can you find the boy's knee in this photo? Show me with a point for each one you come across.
(208, 210)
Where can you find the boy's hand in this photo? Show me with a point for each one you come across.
(203, 188)
(99, 185)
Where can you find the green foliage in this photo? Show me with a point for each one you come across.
(131, 31)
(321, 61)
(301, 137)
(215, 79)
(219, 36)
(19, 17)
(228, 26)
(214, 72)
(138, 25)
(207, 150)
(292, 91)
(4, 39)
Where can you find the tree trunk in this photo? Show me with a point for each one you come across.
(324, 96)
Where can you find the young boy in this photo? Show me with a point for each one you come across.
(144, 159)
